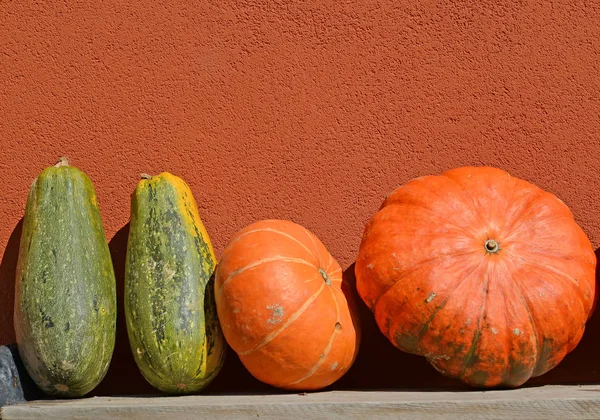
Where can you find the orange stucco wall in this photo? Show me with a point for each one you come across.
(309, 111)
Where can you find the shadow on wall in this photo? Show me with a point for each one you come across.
(8, 267)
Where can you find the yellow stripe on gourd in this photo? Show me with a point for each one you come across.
(188, 209)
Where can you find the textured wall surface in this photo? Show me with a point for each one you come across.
(310, 112)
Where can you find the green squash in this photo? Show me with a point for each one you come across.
(170, 311)
(65, 293)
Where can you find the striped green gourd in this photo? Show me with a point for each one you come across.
(65, 294)
(170, 311)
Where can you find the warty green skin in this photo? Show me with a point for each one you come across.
(65, 293)
(169, 303)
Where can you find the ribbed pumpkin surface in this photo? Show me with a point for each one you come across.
(486, 275)
(282, 306)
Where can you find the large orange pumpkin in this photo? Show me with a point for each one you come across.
(282, 307)
(487, 276)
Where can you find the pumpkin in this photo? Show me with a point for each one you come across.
(284, 308)
(486, 275)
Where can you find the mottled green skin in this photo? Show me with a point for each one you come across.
(65, 293)
(171, 316)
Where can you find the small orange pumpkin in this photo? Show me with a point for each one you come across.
(487, 276)
(282, 308)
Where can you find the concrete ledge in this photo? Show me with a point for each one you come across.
(548, 402)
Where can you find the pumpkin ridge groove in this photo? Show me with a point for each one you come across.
(425, 185)
(339, 290)
(463, 229)
(570, 280)
(261, 262)
(289, 322)
(469, 198)
(549, 218)
(415, 267)
(548, 268)
(507, 346)
(468, 361)
(316, 276)
(337, 306)
(441, 305)
(280, 233)
(572, 258)
(518, 216)
(317, 365)
(328, 347)
(529, 315)
(335, 271)
(509, 200)
(330, 263)
(399, 232)
(315, 248)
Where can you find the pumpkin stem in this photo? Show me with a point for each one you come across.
(325, 276)
(492, 246)
(145, 176)
(63, 161)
